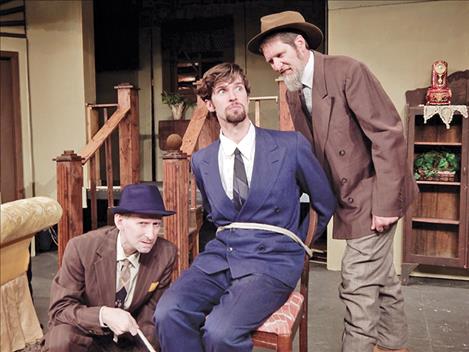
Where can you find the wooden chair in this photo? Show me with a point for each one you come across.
(279, 330)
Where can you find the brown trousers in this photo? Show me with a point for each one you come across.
(372, 295)
(64, 338)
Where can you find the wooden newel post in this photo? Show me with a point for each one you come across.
(129, 149)
(176, 197)
(69, 196)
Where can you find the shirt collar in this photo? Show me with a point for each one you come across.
(307, 77)
(120, 255)
(245, 146)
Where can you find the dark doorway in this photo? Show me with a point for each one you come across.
(11, 160)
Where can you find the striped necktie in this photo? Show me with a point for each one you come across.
(240, 181)
(124, 283)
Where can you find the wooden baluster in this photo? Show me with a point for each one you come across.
(176, 197)
(285, 119)
(91, 129)
(129, 150)
(257, 115)
(92, 122)
(193, 191)
(109, 174)
(93, 200)
(69, 196)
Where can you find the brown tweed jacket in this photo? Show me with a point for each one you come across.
(357, 136)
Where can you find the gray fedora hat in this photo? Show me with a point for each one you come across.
(142, 199)
(284, 22)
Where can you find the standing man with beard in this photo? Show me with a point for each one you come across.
(250, 179)
(357, 136)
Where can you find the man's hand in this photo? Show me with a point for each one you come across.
(119, 321)
(382, 224)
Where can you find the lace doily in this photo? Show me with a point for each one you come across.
(446, 112)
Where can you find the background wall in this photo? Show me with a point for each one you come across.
(60, 57)
(262, 79)
(399, 41)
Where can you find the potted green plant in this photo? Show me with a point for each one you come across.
(436, 165)
(177, 103)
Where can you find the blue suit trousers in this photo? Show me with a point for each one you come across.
(214, 312)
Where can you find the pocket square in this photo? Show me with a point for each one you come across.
(153, 286)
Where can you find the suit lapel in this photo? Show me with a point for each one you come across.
(322, 105)
(298, 116)
(105, 268)
(267, 162)
(212, 183)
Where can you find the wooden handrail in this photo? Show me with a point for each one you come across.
(191, 137)
(70, 165)
(104, 133)
(94, 106)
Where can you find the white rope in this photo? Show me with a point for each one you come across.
(267, 227)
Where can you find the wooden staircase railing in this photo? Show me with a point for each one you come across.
(203, 129)
(70, 165)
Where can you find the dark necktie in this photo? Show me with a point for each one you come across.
(240, 181)
(124, 283)
(306, 92)
(306, 112)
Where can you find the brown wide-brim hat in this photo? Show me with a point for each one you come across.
(287, 21)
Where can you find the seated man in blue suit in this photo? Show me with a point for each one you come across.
(249, 178)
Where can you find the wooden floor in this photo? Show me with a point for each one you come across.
(437, 310)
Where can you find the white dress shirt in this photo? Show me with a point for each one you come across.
(134, 260)
(247, 147)
(134, 266)
(307, 81)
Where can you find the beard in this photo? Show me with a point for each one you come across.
(235, 115)
(293, 81)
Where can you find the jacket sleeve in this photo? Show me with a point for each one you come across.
(313, 181)
(380, 122)
(67, 305)
(200, 185)
(145, 316)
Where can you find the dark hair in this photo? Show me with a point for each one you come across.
(284, 37)
(225, 72)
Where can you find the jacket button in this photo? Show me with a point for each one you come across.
(341, 152)
(261, 248)
(350, 199)
(343, 180)
(229, 249)
(277, 210)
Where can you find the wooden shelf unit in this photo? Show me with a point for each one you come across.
(436, 225)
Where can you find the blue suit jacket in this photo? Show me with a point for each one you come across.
(284, 168)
